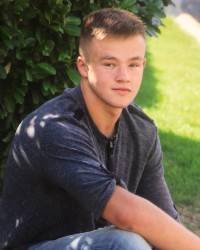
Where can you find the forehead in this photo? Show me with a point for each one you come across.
(129, 47)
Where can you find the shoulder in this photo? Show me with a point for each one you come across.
(67, 104)
(64, 113)
(135, 111)
(134, 123)
(134, 115)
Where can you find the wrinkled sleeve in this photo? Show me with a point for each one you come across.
(71, 162)
(153, 185)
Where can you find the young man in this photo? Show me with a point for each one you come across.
(85, 169)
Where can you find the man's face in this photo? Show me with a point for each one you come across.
(113, 71)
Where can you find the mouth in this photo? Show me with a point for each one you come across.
(122, 91)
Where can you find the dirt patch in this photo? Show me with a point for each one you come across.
(190, 217)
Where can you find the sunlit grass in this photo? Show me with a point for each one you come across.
(170, 94)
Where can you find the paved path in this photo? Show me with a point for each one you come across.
(187, 14)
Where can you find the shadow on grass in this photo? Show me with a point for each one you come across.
(148, 95)
(181, 157)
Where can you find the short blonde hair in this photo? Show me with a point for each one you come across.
(109, 22)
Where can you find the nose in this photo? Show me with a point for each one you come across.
(122, 74)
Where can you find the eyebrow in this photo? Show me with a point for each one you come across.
(135, 58)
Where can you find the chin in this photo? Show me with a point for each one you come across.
(122, 106)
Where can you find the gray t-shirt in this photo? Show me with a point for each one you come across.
(62, 171)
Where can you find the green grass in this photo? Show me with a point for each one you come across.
(170, 94)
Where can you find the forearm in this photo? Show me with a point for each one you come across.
(161, 230)
(141, 216)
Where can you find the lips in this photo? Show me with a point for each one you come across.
(122, 90)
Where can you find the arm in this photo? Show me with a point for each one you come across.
(152, 185)
(133, 213)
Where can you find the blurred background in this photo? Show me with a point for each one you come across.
(170, 94)
(187, 14)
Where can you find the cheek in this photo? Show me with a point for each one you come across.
(138, 75)
(96, 75)
(137, 80)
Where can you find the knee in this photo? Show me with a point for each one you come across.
(123, 240)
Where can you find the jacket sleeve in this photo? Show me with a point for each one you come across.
(71, 162)
(153, 185)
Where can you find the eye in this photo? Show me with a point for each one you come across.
(134, 65)
(110, 65)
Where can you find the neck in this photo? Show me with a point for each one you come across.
(105, 122)
(104, 116)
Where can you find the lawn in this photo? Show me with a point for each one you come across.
(170, 94)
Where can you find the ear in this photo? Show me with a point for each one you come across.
(82, 66)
